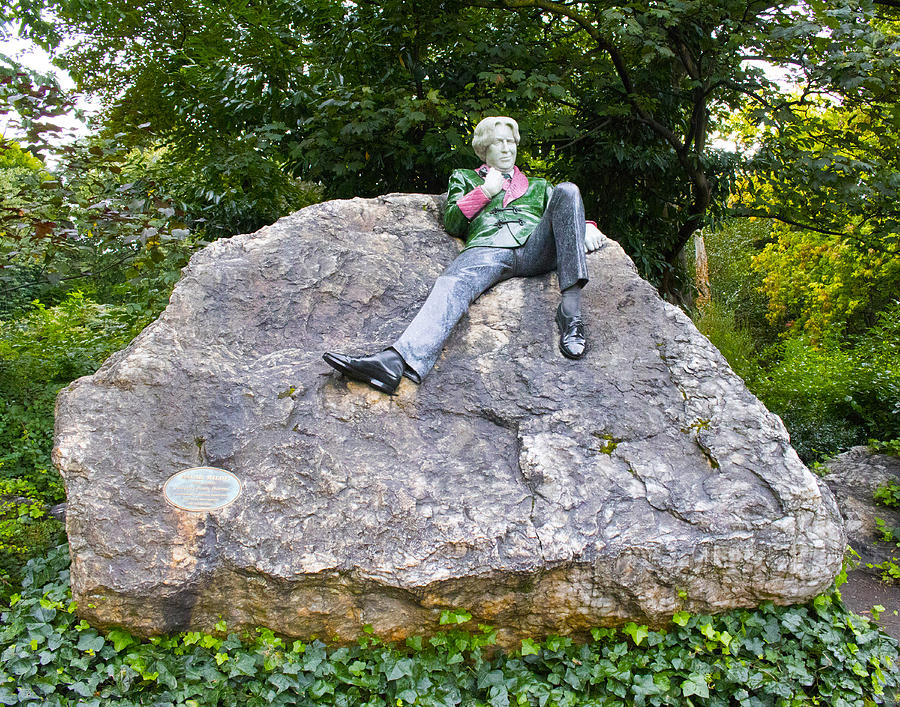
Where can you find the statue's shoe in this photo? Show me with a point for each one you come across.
(382, 371)
(572, 341)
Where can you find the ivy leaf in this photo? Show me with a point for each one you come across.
(681, 618)
(401, 668)
(695, 685)
(454, 617)
(637, 633)
(644, 685)
(529, 647)
(245, 664)
(320, 688)
(408, 696)
(90, 641)
(121, 639)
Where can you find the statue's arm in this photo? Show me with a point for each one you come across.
(593, 237)
(464, 200)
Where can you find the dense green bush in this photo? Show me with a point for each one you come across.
(833, 392)
(832, 397)
(735, 286)
(804, 655)
(42, 350)
(26, 528)
(718, 323)
(877, 354)
(812, 389)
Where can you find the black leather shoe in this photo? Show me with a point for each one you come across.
(571, 334)
(382, 371)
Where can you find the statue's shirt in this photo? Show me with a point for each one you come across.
(502, 222)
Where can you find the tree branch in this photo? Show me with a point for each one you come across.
(747, 213)
(807, 227)
(615, 56)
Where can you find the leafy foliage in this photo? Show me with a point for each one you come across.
(39, 353)
(41, 350)
(831, 397)
(824, 285)
(816, 392)
(885, 447)
(771, 656)
(832, 392)
(30, 102)
(890, 570)
(26, 528)
(374, 97)
(888, 494)
(718, 324)
(829, 173)
(110, 217)
(97, 222)
(735, 285)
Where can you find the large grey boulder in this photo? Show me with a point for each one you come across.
(853, 477)
(541, 494)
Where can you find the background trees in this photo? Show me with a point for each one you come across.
(370, 97)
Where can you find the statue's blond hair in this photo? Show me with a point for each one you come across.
(484, 133)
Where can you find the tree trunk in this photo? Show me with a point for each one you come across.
(701, 270)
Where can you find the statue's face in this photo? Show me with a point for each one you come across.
(501, 153)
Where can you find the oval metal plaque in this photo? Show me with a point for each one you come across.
(202, 488)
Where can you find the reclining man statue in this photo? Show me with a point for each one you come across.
(514, 227)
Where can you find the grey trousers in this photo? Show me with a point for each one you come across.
(556, 243)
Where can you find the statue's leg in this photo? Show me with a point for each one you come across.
(473, 272)
(558, 241)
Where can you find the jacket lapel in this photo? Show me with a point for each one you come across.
(518, 185)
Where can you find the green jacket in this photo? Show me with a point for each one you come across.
(495, 226)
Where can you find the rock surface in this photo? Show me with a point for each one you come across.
(853, 477)
(543, 495)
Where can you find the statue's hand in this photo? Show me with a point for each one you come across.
(493, 182)
(592, 238)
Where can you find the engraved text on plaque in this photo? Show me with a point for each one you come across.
(202, 488)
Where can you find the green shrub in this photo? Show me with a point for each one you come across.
(26, 529)
(26, 433)
(40, 352)
(734, 285)
(890, 570)
(833, 397)
(812, 389)
(888, 494)
(60, 343)
(802, 655)
(718, 324)
(832, 394)
(891, 447)
(877, 358)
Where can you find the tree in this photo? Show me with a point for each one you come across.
(827, 173)
(369, 97)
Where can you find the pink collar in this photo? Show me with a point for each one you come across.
(514, 187)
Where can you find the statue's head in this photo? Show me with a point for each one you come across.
(495, 141)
